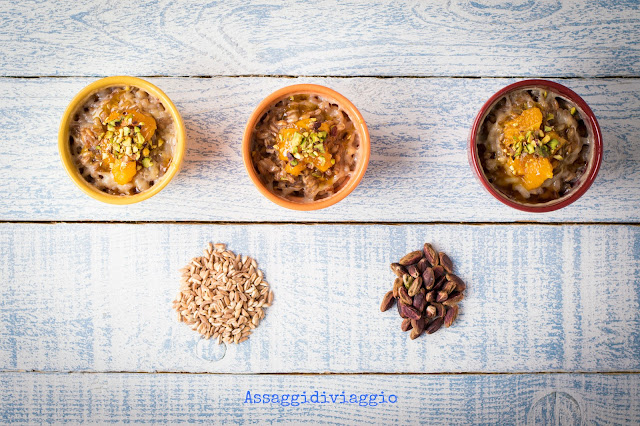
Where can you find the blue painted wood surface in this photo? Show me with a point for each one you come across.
(419, 171)
(539, 298)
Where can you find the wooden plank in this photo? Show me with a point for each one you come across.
(418, 170)
(81, 297)
(221, 399)
(383, 37)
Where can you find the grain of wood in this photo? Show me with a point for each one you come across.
(418, 170)
(539, 298)
(572, 306)
(426, 399)
(199, 300)
(382, 37)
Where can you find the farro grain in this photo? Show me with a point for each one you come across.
(222, 294)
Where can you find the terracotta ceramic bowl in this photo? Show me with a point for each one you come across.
(593, 162)
(355, 116)
(68, 161)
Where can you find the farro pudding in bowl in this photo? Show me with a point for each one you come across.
(123, 139)
(305, 148)
(538, 146)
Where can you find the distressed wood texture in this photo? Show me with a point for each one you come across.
(391, 38)
(418, 170)
(95, 297)
(541, 399)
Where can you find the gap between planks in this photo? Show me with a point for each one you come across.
(307, 223)
(368, 373)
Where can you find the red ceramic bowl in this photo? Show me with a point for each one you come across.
(593, 129)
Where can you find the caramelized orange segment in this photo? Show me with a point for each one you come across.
(533, 169)
(322, 162)
(529, 120)
(324, 127)
(295, 170)
(123, 172)
(107, 161)
(304, 124)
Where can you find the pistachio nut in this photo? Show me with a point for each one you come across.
(411, 258)
(387, 301)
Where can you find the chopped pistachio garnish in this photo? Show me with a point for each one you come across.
(124, 141)
(548, 128)
(543, 151)
(558, 157)
(553, 144)
(546, 139)
(573, 110)
(550, 116)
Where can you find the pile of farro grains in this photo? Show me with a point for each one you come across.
(222, 295)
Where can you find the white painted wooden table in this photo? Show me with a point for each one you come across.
(550, 337)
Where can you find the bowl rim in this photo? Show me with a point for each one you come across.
(354, 115)
(67, 160)
(476, 166)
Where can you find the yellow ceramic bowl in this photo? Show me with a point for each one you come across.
(67, 160)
